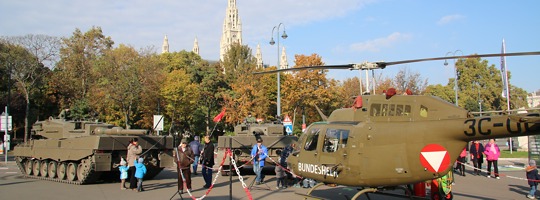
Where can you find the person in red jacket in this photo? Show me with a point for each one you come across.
(477, 156)
(461, 162)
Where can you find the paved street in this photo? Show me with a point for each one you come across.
(14, 186)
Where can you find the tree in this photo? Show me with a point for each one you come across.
(238, 65)
(478, 81)
(28, 73)
(180, 95)
(74, 76)
(309, 88)
(118, 85)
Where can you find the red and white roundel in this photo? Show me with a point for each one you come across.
(435, 158)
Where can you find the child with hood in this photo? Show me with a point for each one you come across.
(123, 173)
(140, 171)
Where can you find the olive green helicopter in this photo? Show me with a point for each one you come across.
(389, 140)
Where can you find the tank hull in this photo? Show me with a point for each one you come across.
(87, 157)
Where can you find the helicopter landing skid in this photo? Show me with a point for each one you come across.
(364, 191)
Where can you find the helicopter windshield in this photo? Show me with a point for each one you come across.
(311, 140)
(335, 139)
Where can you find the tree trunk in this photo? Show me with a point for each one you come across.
(27, 111)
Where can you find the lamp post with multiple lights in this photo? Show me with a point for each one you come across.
(272, 42)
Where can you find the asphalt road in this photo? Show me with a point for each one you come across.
(14, 186)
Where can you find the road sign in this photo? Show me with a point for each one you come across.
(3, 124)
(158, 122)
(287, 119)
(288, 129)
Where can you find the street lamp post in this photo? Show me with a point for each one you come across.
(284, 36)
(455, 73)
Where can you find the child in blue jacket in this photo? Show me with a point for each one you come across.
(123, 173)
(140, 171)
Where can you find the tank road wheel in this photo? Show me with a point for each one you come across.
(71, 171)
(35, 167)
(52, 169)
(82, 169)
(44, 168)
(28, 167)
(61, 170)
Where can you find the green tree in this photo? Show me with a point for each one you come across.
(118, 86)
(74, 76)
(28, 73)
(180, 95)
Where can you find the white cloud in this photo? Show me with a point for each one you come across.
(450, 18)
(375, 45)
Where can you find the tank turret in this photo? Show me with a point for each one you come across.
(80, 152)
(246, 135)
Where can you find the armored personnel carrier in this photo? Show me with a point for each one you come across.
(81, 152)
(273, 136)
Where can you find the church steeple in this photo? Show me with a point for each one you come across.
(232, 29)
(196, 46)
(165, 47)
(259, 57)
(284, 64)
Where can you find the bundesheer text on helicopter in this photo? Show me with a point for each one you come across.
(316, 169)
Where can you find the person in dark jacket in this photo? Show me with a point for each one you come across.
(207, 160)
(532, 178)
(183, 163)
(477, 156)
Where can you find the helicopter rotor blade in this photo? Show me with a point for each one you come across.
(382, 64)
(463, 56)
(347, 66)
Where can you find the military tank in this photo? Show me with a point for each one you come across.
(82, 152)
(246, 134)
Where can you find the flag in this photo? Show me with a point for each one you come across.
(503, 72)
(218, 117)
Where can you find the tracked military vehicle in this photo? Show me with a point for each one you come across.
(81, 152)
(273, 136)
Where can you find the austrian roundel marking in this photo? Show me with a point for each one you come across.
(435, 158)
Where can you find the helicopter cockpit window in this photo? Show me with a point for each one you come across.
(375, 109)
(311, 140)
(423, 111)
(384, 110)
(335, 139)
(392, 110)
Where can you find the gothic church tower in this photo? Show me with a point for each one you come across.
(165, 47)
(232, 29)
(196, 47)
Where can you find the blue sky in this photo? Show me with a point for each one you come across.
(340, 31)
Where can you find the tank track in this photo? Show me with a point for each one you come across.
(89, 176)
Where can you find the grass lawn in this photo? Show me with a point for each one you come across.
(515, 154)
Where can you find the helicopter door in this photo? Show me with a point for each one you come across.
(309, 143)
(334, 150)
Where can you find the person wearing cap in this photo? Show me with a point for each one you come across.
(183, 161)
(133, 152)
(532, 178)
(258, 155)
(196, 147)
